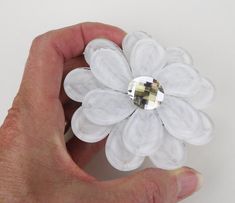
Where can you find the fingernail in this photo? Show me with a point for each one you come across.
(189, 181)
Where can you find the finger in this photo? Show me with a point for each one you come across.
(155, 185)
(69, 108)
(73, 63)
(44, 69)
(82, 152)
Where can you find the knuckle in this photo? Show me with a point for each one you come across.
(42, 39)
(152, 186)
(153, 191)
(38, 40)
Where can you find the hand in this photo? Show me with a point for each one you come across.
(36, 165)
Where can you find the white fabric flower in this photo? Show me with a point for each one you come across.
(116, 100)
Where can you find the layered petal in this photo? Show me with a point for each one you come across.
(111, 68)
(206, 132)
(86, 130)
(143, 132)
(117, 154)
(130, 40)
(79, 82)
(179, 80)
(107, 107)
(171, 154)
(178, 55)
(147, 57)
(204, 96)
(179, 118)
(98, 44)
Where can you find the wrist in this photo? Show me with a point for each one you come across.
(12, 181)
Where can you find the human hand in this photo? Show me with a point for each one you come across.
(35, 163)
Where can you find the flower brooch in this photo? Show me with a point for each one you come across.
(147, 98)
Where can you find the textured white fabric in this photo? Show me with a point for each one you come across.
(107, 107)
(179, 118)
(117, 154)
(171, 154)
(111, 68)
(205, 133)
(98, 44)
(204, 96)
(130, 40)
(178, 55)
(135, 132)
(143, 132)
(86, 130)
(79, 82)
(147, 57)
(179, 80)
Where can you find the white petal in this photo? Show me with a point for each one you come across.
(117, 154)
(111, 68)
(107, 107)
(178, 55)
(179, 118)
(204, 96)
(171, 154)
(147, 57)
(86, 130)
(97, 44)
(206, 132)
(130, 40)
(179, 80)
(143, 132)
(79, 82)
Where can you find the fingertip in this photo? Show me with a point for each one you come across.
(188, 180)
(101, 30)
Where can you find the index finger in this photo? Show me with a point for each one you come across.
(44, 69)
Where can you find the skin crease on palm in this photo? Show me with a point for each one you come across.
(36, 165)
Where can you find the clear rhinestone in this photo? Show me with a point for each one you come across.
(146, 92)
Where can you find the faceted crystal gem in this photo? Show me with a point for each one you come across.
(146, 92)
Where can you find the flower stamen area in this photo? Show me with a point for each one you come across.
(146, 92)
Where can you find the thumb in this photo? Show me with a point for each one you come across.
(158, 186)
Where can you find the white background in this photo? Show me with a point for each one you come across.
(206, 28)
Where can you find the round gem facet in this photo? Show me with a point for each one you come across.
(146, 92)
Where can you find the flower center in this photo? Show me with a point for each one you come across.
(146, 92)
